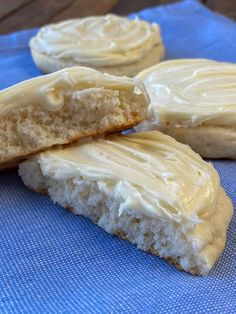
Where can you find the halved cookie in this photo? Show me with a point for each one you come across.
(65, 106)
(109, 43)
(144, 187)
(194, 100)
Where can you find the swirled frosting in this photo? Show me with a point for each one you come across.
(150, 172)
(190, 92)
(98, 41)
(50, 91)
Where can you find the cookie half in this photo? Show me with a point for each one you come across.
(63, 107)
(144, 187)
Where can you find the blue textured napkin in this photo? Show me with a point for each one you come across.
(54, 262)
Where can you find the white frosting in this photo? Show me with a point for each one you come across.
(190, 92)
(150, 171)
(50, 90)
(98, 41)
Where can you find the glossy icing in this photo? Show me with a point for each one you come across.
(190, 92)
(151, 172)
(107, 40)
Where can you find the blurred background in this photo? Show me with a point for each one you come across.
(22, 14)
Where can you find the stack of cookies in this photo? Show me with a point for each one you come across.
(145, 186)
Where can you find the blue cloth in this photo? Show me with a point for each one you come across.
(54, 262)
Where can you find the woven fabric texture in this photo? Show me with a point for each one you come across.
(54, 262)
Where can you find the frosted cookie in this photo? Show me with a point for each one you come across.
(144, 187)
(109, 43)
(65, 106)
(194, 100)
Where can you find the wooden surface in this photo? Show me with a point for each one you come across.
(21, 14)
